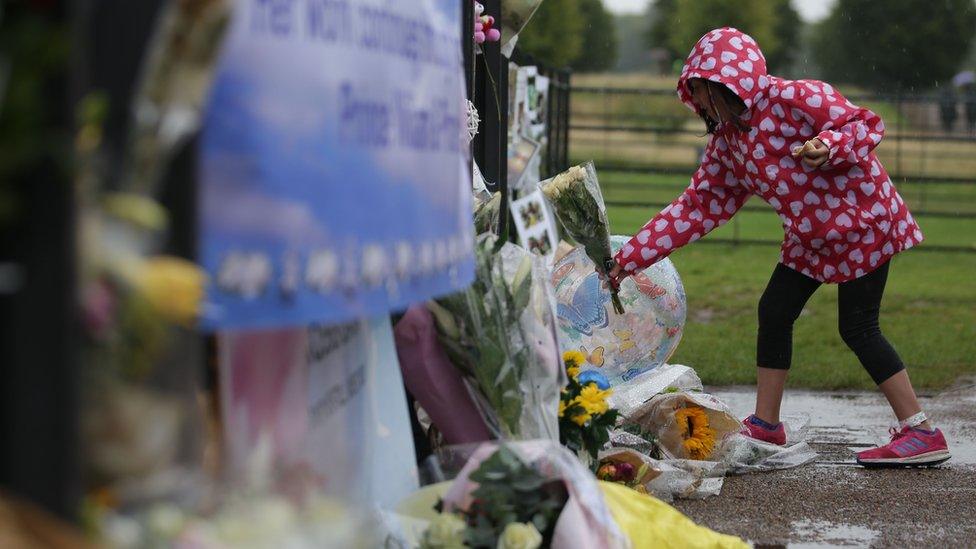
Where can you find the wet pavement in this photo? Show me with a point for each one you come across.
(836, 503)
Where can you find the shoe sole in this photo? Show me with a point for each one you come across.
(928, 459)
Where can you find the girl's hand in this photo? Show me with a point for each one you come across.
(614, 277)
(813, 153)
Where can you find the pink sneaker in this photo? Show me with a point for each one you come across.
(908, 448)
(775, 436)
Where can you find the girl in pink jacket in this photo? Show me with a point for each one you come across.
(809, 153)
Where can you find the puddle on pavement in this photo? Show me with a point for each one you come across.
(828, 534)
(854, 420)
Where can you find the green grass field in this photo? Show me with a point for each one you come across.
(929, 311)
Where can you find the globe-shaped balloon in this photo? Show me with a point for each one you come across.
(625, 345)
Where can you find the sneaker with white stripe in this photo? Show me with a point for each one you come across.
(909, 447)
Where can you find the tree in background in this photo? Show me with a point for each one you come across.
(775, 24)
(694, 18)
(663, 14)
(599, 49)
(787, 29)
(555, 33)
(900, 44)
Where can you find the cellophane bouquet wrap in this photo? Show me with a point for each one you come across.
(500, 333)
(531, 471)
(576, 199)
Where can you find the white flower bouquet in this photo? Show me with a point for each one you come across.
(576, 199)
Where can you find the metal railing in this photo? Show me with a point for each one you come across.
(648, 131)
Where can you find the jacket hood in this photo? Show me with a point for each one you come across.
(729, 56)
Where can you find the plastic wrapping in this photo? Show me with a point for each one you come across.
(742, 454)
(632, 394)
(627, 345)
(486, 211)
(515, 15)
(688, 425)
(500, 333)
(173, 87)
(578, 204)
(674, 478)
(650, 524)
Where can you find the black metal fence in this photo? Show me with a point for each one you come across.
(649, 131)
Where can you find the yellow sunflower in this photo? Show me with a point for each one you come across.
(573, 358)
(573, 372)
(562, 408)
(593, 400)
(699, 438)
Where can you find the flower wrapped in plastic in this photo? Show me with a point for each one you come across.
(591, 513)
(688, 425)
(500, 333)
(576, 199)
(524, 494)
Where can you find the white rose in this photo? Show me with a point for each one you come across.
(520, 535)
(445, 532)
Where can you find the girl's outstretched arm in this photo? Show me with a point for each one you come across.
(713, 197)
(849, 132)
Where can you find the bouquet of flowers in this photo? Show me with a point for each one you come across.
(522, 495)
(500, 333)
(514, 506)
(585, 417)
(688, 425)
(626, 467)
(576, 199)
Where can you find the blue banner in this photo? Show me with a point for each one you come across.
(333, 176)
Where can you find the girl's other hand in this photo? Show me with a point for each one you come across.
(813, 153)
(614, 277)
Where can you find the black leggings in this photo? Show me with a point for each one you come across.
(859, 303)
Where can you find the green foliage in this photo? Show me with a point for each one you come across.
(678, 24)
(663, 15)
(631, 51)
(554, 35)
(787, 31)
(510, 491)
(693, 18)
(898, 44)
(599, 50)
(480, 331)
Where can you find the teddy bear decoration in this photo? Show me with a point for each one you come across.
(484, 30)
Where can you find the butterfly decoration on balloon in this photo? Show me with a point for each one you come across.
(626, 345)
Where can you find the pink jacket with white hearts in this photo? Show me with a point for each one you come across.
(841, 220)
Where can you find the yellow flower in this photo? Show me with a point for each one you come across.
(562, 408)
(573, 372)
(573, 358)
(580, 418)
(520, 535)
(446, 531)
(699, 438)
(593, 400)
(173, 286)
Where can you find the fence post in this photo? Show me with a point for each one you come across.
(491, 79)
